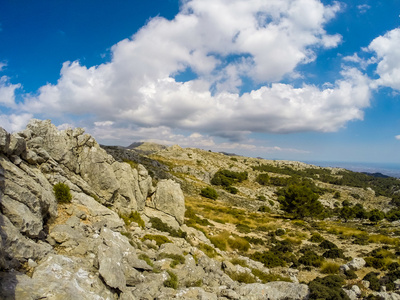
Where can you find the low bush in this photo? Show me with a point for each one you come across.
(268, 277)
(327, 288)
(310, 258)
(327, 245)
(219, 242)
(207, 249)
(373, 279)
(231, 189)
(243, 228)
(254, 240)
(350, 274)
(316, 238)
(147, 259)
(264, 208)
(330, 268)
(280, 232)
(239, 243)
(209, 192)
(176, 258)
(172, 282)
(160, 225)
(334, 253)
(263, 179)
(134, 216)
(62, 193)
(159, 239)
(242, 277)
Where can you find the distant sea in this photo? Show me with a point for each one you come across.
(388, 169)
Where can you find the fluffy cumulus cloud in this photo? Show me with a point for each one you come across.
(397, 137)
(254, 40)
(387, 52)
(14, 122)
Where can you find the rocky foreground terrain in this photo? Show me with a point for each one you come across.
(139, 225)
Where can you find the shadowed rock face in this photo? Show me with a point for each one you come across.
(83, 250)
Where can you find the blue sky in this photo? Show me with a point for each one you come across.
(298, 79)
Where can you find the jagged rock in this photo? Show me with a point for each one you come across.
(17, 145)
(355, 264)
(190, 274)
(17, 248)
(22, 217)
(387, 296)
(167, 219)
(277, 290)
(110, 267)
(4, 140)
(57, 277)
(168, 197)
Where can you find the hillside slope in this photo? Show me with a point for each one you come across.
(80, 221)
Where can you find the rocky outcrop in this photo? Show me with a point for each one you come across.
(169, 198)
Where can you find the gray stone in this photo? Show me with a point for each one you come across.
(17, 145)
(4, 141)
(169, 198)
(277, 290)
(110, 267)
(22, 217)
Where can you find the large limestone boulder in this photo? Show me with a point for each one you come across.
(169, 198)
(277, 290)
(57, 277)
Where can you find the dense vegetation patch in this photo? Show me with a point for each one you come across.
(209, 192)
(327, 288)
(160, 225)
(62, 193)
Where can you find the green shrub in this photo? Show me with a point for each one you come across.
(350, 274)
(376, 215)
(330, 268)
(172, 282)
(270, 259)
(336, 195)
(327, 245)
(254, 240)
(327, 288)
(219, 242)
(227, 177)
(377, 263)
(361, 239)
(300, 201)
(263, 179)
(268, 277)
(176, 258)
(243, 228)
(280, 232)
(238, 243)
(261, 198)
(207, 249)
(264, 208)
(334, 253)
(231, 189)
(310, 258)
(134, 216)
(242, 277)
(159, 239)
(147, 259)
(316, 238)
(62, 193)
(374, 284)
(194, 219)
(209, 192)
(161, 226)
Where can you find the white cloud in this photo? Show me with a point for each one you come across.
(264, 40)
(2, 65)
(363, 8)
(397, 137)
(14, 122)
(7, 92)
(387, 51)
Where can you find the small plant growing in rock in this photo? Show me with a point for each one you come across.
(159, 239)
(209, 192)
(172, 282)
(62, 193)
(176, 258)
(134, 216)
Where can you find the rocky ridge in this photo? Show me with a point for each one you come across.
(84, 249)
